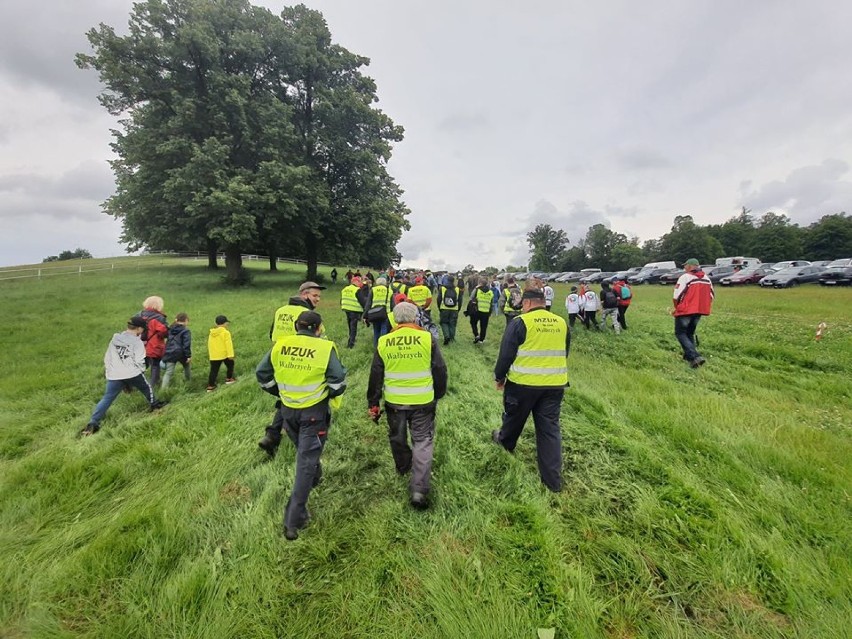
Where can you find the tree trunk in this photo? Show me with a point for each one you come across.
(212, 258)
(273, 260)
(233, 263)
(311, 256)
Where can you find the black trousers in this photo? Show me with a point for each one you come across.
(215, 365)
(479, 324)
(544, 404)
(307, 428)
(621, 312)
(572, 317)
(420, 421)
(353, 318)
(589, 318)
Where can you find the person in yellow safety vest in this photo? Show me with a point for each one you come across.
(449, 303)
(283, 324)
(352, 303)
(409, 372)
(305, 372)
(421, 295)
(481, 311)
(532, 372)
(377, 309)
(398, 286)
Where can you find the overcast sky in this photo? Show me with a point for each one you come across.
(569, 113)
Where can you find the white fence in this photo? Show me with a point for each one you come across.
(79, 267)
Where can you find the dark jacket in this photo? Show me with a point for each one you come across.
(377, 377)
(179, 345)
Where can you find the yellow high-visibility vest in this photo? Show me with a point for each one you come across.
(441, 306)
(348, 299)
(285, 320)
(300, 363)
(541, 358)
(407, 355)
(483, 300)
(419, 294)
(381, 297)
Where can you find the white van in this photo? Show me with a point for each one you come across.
(737, 261)
(656, 265)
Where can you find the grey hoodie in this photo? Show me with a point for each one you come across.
(124, 357)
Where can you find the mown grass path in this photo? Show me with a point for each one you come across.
(698, 503)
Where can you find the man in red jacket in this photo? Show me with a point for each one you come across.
(693, 297)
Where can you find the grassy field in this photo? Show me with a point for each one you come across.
(697, 503)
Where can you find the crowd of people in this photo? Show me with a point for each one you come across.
(408, 375)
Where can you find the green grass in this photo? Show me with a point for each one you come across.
(697, 503)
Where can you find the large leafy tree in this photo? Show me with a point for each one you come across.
(737, 235)
(687, 240)
(599, 245)
(776, 239)
(219, 146)
(830, 238)
(546, 247)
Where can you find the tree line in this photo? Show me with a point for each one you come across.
(243, 131)
(770, 238)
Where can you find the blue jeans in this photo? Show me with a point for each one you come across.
(685, 326)
(379, 329)
(114, 387)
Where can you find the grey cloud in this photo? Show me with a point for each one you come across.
(39, 49)
(87, 181)
(642, 160)
(806, 194)
(411, 248)
(463, 122)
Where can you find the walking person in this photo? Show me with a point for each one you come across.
(178, 349)
(450, 298)
(305, 372)
(511, 297)
(532, 372)
(590, 309)
(548, 296)
(609, 304)
(409, 373)
(155, 334)
(573, 304)
(220, 349)
(334, 276)
(693, 298)
(284, 324)
(124, 369)
(624, 293)
(378, 307)
(421, 295)
(481, 311)
(351, 303)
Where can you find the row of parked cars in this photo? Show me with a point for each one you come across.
(778, 275)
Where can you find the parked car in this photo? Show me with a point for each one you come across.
(821, 263)
(836, 276)
(780, 266)
(571, 276)
(793, 276)
(648, 276)
(592, 278)
(718, 272)
(746, 276)
(846, 261)
(671, 277)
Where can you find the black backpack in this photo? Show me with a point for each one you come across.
(450, 297)
(609, 299)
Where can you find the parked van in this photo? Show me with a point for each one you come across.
(650, 266)
(737, 261)
(589, 271)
